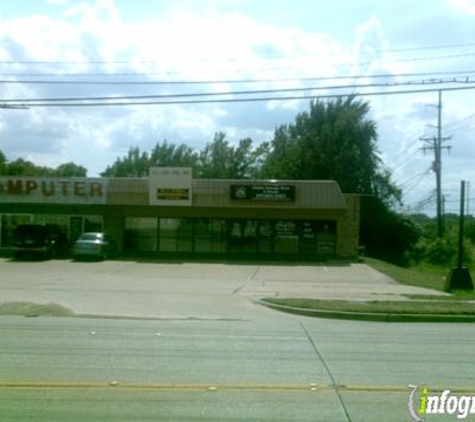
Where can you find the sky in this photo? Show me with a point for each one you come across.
(144, 48)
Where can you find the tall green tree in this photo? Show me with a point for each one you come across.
(219, 159)
(134, 164)
(337, 140)
(333, 140)
(70, 170)
(3, 162)
(22, 167)
(137, 163)
(171, 155)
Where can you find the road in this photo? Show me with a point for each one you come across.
(283, 368)
(185, 342)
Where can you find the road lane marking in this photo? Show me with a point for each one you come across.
(319, 388)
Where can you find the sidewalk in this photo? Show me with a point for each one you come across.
(188, 290)
(353, 281)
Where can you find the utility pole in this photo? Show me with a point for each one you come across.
(436, 144)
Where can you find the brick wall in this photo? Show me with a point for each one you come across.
(348, 227)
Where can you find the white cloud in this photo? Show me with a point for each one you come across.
(211, 45)
(465, 6)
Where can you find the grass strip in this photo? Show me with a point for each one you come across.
(431, 307)
(429, 277)
(30, 309)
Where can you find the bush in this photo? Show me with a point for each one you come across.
(440, 251)
(384, 233)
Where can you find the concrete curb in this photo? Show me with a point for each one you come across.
(367, 316)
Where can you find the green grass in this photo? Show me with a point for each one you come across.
(30, 309)
(420, 276)
(383, 307)
(426, 276)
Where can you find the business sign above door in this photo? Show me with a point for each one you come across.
(53, 190)
(263, 192)
(170, 186)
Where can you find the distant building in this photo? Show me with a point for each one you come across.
(169, 213)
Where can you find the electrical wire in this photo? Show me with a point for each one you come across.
(235, 100)
(232, 81)
(275, 57)
(256, 63)
(220, 94)
(449, 125)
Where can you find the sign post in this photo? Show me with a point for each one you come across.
(459, 277)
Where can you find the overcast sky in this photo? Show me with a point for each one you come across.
(286, 43)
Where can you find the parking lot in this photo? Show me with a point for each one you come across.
(185, 290)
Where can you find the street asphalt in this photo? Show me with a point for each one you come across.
(199, 348)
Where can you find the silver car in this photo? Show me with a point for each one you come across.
(93, 245)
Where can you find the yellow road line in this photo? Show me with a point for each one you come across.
(353, 388)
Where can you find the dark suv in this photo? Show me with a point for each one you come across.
(42, 240)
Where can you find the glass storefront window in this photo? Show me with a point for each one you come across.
(326, 238)
(234, 230)
(265, 237)
(308, 239)
(249, 243)
(209, 236)
(286, 237)
(169, 234)
(185, 236)
(141, 234)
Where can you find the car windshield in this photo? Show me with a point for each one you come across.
(30, 230)
(91, 236)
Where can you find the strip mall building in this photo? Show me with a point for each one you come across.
(169, 213)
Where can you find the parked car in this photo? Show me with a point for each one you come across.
(94, 245)
(41, 240)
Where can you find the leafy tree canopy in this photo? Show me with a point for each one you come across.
(22, 167)
(219, 159)
(334, 140)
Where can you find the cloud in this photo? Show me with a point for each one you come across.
(97, 37)
(465, 6)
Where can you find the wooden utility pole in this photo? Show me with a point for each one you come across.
(436, 144)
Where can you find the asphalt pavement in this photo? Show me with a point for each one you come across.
(199, 348)
(294, 369)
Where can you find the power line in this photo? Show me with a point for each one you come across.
(460, 121)
(275, 57)
(256, 63)
(215, 94)
(234, 100)
(464, 129)
(223, 81)
(453, 78)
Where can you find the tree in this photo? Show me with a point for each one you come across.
(220, 160)
(70, 170)
(137, 164)
(171, 155)
(334, 140)
(21, 167)
(3, 161)
(134, 164)
(337, 141)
